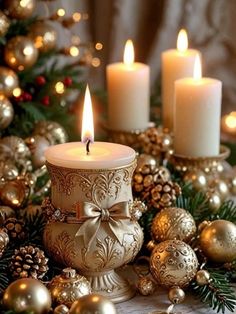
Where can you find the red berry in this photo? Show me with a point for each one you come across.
(19, 98)
(67, 81)
(40, 80)
(27, 96)
(46, 101)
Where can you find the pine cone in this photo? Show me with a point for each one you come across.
(28, 261)
(15, 228)
(164, 194)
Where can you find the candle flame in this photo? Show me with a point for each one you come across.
(129, 53)
(230, 120)
(87, 133)
(182, 41)
(197, 71)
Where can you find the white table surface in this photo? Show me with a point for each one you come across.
(159, 301)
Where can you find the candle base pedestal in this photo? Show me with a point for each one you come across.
(129, 138)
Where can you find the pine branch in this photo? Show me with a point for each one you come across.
(227, 211)
(217, 294)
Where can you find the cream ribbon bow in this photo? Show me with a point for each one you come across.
(93, 216)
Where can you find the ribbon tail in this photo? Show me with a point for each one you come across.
(88, 231)
(119, 229)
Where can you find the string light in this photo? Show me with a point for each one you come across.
(76, 17)
(16, 92)
(96, 62)
(61, 12)
(74, 51)
(99, 46)
(60, 87)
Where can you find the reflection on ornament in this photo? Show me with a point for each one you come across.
(8, 81)
(44, 36)
(20, 53)
(197, 178)
(173, 263)
(4, 24)
(214, 200)
(221, 187)
(20, 9)
(6, 112)
(93, 303)
(218, 241)
(33, 295)
(202, 277)
(173, 223)
(14, 193)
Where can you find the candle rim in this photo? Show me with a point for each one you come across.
(189, 51)
(190, 80)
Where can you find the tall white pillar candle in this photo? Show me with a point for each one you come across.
(176, 63)
(197, 115)
(128, 93)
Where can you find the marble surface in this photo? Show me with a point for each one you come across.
(158, 302)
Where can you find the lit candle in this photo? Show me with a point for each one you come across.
(176, 63)
(128, 93)
(197, 115)
(228, 123)
(101, 155)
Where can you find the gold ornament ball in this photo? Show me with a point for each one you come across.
(14, 193)
(61, 309)
(68, 287)
(6, 112)
(146, 160)
(4, 23)
(20, 53)
(214, 200)
(202, 277)
(173, 263)
(197, 178)
(233, 185)
(37, 145)
(53, 131)
(8, 81)
(91, 304)
(173, 223)
(27, 295)
(176, 295)
(218, 241)
(19, 9)
(8, 171)
(44, 36)
(146, 286)
(221, 187)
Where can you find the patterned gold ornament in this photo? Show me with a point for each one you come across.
(68, 287)
(156, 142)
(27, 295)
(173, 223)
(37, 145)
(176, 295)
(52, 131)
(15, 229)
(4, 23)
(202, 277)
(8, 171)
(6, 112)
(14, 193)
(20, 53)
(19, 9)
(4, 240)
(218, 241)
(61, 309)
(93, 303)
(8, 81)
(28, 262)
(146, 286)
(44, 36)
(197, 178)
(173, 263)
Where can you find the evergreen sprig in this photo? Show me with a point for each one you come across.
(218, 294)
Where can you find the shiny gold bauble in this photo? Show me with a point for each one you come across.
(8, 81)
(6, 112)
(146, 286)
(176, 295)
(202, 277)
(14, 148)
(27, 295)
(20, 9)
(221, 187)
(214, 200)
(44, 36)
(173, 263)
(218, 241)
(8, 170)
(91, 304)
(197, 178)
(53, 131)
(61, 309)
(4, 23)
(68, 287)
(146, 160)
(14, 193)
(4, 240)
(7, 212)
(232, 183)
(173, 223)
(37, 145)
(20, 53)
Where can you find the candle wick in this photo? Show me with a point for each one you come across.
(87, 147)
